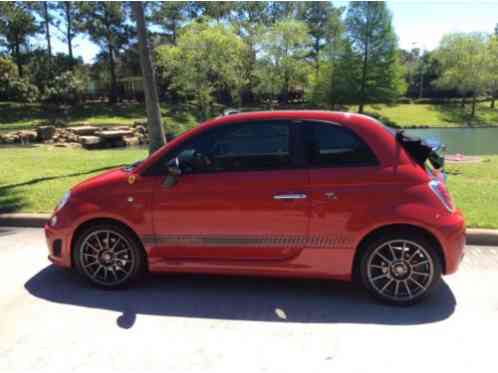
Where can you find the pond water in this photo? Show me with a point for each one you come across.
(468, 141)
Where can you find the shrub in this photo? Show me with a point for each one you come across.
(22, 90)
(67, 88)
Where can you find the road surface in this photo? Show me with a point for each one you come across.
(50, 321)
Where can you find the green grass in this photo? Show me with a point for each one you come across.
(436, 115)
(475, 190)
(17, 116)
(34, 179)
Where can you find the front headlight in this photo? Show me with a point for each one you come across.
(63, 201)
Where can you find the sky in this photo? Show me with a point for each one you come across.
(418, 24)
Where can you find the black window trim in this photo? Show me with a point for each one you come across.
(157, 169)
(308, 134)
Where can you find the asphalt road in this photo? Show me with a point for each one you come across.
(52, 321)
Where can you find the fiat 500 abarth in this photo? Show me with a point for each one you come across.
(301, 194)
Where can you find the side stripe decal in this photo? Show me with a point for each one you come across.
(251, 241)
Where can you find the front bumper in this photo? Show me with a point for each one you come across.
(59, 245)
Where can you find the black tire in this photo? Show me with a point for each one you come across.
(390, 277)
(124, 256)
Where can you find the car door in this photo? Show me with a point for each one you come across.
(241, 196)
(345, 184)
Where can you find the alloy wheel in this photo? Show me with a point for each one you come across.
(400, 270)
(107, 257)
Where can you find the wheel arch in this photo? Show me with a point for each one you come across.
(392, 228)
(88, 223)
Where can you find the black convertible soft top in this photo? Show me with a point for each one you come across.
(422, 150)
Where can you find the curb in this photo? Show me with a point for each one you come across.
(474, 236)
(24, 220)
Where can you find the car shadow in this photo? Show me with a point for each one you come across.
(238, 298)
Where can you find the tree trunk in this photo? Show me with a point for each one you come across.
(285, 90)
(47, 35)
(69, 31)
(156, 130)
(317, 57)
(462, 103)
(493, 98)
(17, 52)
(113, 97)
(474, 100)
(363, 79)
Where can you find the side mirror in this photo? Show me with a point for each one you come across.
(172, 178)
(174, 170)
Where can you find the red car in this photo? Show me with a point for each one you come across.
(300, 193)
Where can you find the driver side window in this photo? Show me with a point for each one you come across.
(239, 147)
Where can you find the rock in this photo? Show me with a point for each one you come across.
(116, 134)
(140, 129)
(116, 142)
(90, 140)
(27, 136)
(140, 123)
(84, 130)
(131, 141)
(45, 133)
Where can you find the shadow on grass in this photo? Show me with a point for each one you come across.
(10, 200)
(238, 298)
(47, 178)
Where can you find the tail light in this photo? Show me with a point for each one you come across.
(440, 190)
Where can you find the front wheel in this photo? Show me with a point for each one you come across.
(108, 256)
(400, 269)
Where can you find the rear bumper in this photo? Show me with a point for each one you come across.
(452, 239)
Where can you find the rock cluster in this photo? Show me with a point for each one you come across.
(89, 137)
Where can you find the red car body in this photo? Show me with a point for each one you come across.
(229, 223)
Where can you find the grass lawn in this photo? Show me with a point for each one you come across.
(447, 115)
(16, 116)
(475, 190)
(34, 179)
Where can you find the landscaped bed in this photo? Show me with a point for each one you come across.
(33, 179)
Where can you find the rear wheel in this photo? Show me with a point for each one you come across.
(401, 268)
(108, 255)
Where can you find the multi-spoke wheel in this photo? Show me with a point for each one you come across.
(401, 268)
(108, 255)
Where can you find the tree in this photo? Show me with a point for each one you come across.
(170, 16)
(374, 45)
(320, 17)
(284, 48)
(70, 13)
(106, 24)
(43, 9)
(493, 68)
(250, 20)
(218, 10)
(154, 124)
(207, 64)
(17, 24)
(464, 59)
(279, 10)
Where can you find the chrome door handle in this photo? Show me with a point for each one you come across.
(290, 196)
(330, 195)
